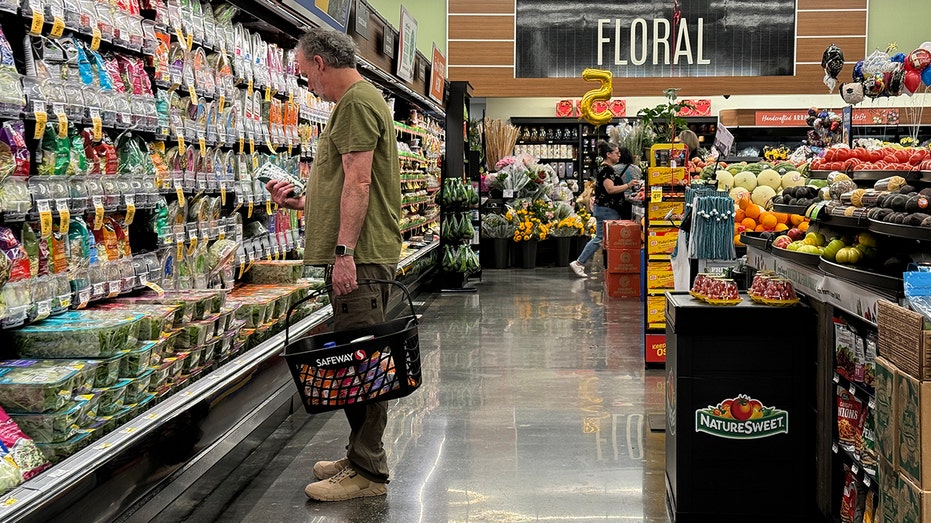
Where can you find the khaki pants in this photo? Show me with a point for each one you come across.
(366, 306)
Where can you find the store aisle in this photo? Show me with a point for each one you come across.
(534, 408)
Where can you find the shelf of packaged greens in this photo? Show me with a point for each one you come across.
(866, 394)
(417, 254)
(21, 503)
(418, 202)
(418, 225)
(139, 32)
(417, 131)
(865, 475)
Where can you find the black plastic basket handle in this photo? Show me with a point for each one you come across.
(328, 288)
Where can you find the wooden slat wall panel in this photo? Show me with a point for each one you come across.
(481, 53)
(830, 23)
(481, 6)
(812, 49)
(826, 4)
(500, 82)
(481, 27)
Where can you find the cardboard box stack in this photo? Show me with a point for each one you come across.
(903, 415)
(622, 243)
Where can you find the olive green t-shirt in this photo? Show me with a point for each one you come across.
(360, 121)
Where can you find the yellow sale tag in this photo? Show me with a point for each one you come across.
(252, 148)
(249, 212)
(45, 219)
(656, 194)
(221, 103)
(180, 254)
(221, 234)
(180, 193)
(242, 145)
(130, 213)
(223, 195)
(155, 287)
(64, 215)
(98, 216)
(203, 146)
(268, 94)
(58, 27)
(249, 89)
(193, 246)
(62, 125)
(242, 269)
(268, 207)
(181, 148)
(193, 94)
(95, 39)
(255, 162)
(190, 41)
(271, 146)
(289, 148)
(38, 20)
(97, 126)
(290, 98)
(41, 121)
(180, 35)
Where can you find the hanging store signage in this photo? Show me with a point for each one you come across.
(797, 118)
(332, 13)
(653, 38)
(362, 19)
(437, 75)
(407, 46)
(741, 418)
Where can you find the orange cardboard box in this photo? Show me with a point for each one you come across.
(622, 285)
(662, 241)
(623, 261)
(622, 234)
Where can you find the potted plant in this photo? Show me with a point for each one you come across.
(664, 119)
(500, 231)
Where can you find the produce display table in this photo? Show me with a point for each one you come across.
(739, 411)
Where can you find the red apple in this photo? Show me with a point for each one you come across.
(795, 233)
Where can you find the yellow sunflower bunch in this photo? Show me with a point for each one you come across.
(568, 226)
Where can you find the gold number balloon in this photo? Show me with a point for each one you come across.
(602, 93)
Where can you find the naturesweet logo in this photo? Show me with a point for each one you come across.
(741, 418)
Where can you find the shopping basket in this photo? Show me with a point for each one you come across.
(335, 370)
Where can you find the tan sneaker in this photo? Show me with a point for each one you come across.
(346, 484)
(328, 469)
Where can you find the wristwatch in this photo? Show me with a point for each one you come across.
(342, 250)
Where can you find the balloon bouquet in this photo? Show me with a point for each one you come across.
(825, 129)
(879, 74)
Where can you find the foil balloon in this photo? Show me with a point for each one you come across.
(858, 71)
(926, 76)
(925, 45)
(918, 60)
(852, 92)
(896, 84)
(832, 61)
(602, 93)
(898, 58)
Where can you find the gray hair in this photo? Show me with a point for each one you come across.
(337, 49)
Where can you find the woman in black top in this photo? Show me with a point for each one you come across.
(609, 198)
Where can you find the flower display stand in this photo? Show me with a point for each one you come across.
(564, 253)
(528, 252)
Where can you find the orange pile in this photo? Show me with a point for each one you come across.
(751, 217)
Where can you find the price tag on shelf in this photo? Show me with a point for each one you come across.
(155, 287)
(866, 480)
(58, 28)
(221, 103)
(45, 216)
(38, 20)
(872, 403)
(854, 468)
(64, 215)
(836, 378)
(95, 39)
(41, 119)
(98, 212)
(251, 207)
(9, 502)
(656, 194)
(43, 309)
(223, 194)
(96, 125)
(180, 35)
(62, 125)
(192, 93)
(130, 209)
(114, 287)
(268, 207)
(181, 148)
(100, 289)
(84, 297)
(853, 389)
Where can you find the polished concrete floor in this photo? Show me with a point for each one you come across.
(535, 407)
